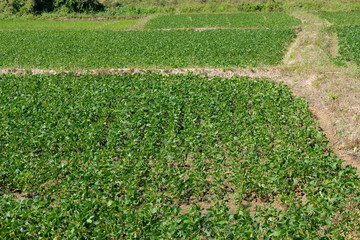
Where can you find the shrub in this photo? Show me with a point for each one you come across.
(40, 6)
(78, 5)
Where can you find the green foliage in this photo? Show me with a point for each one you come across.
(143, 7)
(348, 34)
(77, 5)
(131, 9)
(333, 96)
(22, 24)
(349, 43)
(242, 20)
(118, 157)
(341, 18)
(40, 6)
(196, 6)
(109, 49)
(23, 6)
(346, 24)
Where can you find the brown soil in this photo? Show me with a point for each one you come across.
(252, 205)
(17, 196)
(272, 73)
(332, 91)
(336, 143)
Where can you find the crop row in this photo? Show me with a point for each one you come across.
(348, 32)
(24, 24)
(240, 20)
(140, 156)
(341, 18)
(109, 49)
(349, 42)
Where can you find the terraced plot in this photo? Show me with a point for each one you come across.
(144, 156)
(19, 24)
(341, 18)
(239, 20)
(144, 49)
(349, 42)
(347, 26)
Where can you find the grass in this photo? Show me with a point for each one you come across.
(26, 24)
(140, 156)
(146, 49)
(240, 20)
(313, 61)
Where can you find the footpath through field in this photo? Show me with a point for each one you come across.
(332, 91)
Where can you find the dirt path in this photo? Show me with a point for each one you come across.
(141, 23)
(333, 92)
(211, 72)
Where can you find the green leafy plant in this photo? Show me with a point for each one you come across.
(345, 18)
(348, 32)
(349, 43)
(146, 49)
(178, 156)
(239, 20)
(60, 25)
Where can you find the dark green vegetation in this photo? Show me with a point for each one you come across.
(40, 6)
(21, 24)
(347, 26)
(109, 49)
(341, 18)
(143, 7)
(349, 42)
(122, 156)
(242, 20)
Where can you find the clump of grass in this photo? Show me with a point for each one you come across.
(333, 96)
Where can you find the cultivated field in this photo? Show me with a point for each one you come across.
(141, 155)
(145, 49)
(36, 25)
(49, 48)
(244, 20)
(347, 26)
(158, 155)
(341, 18)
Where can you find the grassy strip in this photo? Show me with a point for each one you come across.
(124, 156)
(243, 20)
(145, 49)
